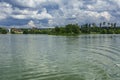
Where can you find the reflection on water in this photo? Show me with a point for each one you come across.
(46, 57)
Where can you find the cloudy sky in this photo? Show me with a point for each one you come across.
(48, 13)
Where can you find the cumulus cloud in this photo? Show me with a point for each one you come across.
(30, 14)
(60, 12)
(43, 15)
(5, 10)
(31, 24)
(33, 3)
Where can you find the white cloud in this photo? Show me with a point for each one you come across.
(43, 15)
(68, 11)
(31, 24)
(30, 3)
(90, 7)
(117, 2)
(30, 14)
(19, 16)
(106, 15)
(33, 3)
(84, 11)
(5, 10)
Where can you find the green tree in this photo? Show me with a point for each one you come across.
(115, 24)
(3, 31)
(72, 29)
(104, 23)
(94, 25)
(100, 25)
(112, 24)
(57, 29)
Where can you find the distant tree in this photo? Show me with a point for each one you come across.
(112, 25)
(25, 32)
(86, 25)
(100, 24)
(57, 29)
(3, 31)
(89, 25)
(108, 24)
(104, 31)
(115, 24)
(72, 29)
(104, 23)
(94, 25)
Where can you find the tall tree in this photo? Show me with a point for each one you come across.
(115, 24)
(108, 24)
(94, 25)
(112, 24)
(89, 25)
(100, 24)
(104, 23)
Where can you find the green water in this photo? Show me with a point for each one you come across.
(47, 57)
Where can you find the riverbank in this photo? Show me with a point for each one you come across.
(70, 29)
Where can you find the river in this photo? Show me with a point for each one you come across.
(48, 57)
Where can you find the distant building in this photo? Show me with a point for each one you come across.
(16, 31)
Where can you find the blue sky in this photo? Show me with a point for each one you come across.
(49, 13)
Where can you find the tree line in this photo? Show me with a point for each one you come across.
(69, 29)
(102, 28)
(3, 30)
(75, 29)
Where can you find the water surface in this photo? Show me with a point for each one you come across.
(46, 57)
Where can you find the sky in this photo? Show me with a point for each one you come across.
(50, 13)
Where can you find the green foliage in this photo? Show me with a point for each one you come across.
(57, 29)
(104, 23)
(72, 29)
(3, 31)
(36, 31)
